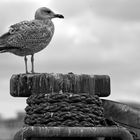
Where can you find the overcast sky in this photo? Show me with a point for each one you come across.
(96, 37)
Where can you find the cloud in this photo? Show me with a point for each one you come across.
(71, 8)
(117, 9)
(126, 10)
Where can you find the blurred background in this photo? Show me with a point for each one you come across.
(96, 37)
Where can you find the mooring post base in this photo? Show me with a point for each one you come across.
(35, 133)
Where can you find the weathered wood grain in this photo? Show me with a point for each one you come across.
(23, 85)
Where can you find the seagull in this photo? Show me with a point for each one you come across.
(29, 37)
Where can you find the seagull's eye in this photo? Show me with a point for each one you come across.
(48, 12)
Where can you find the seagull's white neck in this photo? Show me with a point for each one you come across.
(48, 21)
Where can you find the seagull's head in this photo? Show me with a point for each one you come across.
(45, 13)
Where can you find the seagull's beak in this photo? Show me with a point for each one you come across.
(58, 16)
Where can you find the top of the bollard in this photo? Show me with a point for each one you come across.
(24, 85)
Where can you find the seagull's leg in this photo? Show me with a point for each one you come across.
(25, 59)
(32, 62)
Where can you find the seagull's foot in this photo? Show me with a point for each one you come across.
(33, 72)
(30, 72)
(27, 72)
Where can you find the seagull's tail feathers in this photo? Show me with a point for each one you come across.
(3, 45)
(4, 48)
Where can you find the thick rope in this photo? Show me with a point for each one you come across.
(64, 109)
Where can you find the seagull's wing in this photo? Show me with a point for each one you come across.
(4, 47)
(26, 34)
(10, 33)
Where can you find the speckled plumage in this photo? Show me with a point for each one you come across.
(29, 37)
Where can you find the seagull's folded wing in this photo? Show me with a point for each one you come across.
(27, 33)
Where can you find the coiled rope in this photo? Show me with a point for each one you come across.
(64, 109)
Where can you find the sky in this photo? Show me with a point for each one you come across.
(96, 37)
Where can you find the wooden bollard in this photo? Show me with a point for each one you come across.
(24, 85)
